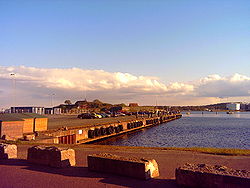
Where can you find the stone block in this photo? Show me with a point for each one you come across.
(8, 151)
(52, 156)
(133, 167)
(207, 176)
(29, 137)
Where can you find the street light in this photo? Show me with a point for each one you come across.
(51, 99)
(13, 75)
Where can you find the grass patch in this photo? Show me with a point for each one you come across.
(215, 151)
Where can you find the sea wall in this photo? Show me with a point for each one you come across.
(87, 134)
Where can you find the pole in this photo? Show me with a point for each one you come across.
(85, 92)
(51, 99)
(13, 75)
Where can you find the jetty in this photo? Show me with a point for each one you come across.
(81, 134)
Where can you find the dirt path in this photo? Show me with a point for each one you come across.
(18, 173)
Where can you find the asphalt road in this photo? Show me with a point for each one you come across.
(58, 121)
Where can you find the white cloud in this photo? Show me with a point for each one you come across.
(239, 78)
(216, 86)
(92, 80)
(34, 86)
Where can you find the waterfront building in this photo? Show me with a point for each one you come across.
(233, 106)
(54, 110)
(28, 109)
(245, 106)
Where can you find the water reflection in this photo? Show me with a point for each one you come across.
(216, 114)
(195, 130)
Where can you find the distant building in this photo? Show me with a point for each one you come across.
(133, 105)
(233, 106)
(69, 109)
(28, 109)
(57, 110)
(54, 110)
(245, 106)
(48, 110)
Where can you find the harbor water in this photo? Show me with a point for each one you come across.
(198, 129)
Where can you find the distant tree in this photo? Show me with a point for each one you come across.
(97, 101)
(120, 105)
(68, 102)
(123, 105)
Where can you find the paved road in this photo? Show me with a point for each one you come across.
(20, 174)
(58, 121)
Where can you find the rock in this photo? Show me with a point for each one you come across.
(8, 151)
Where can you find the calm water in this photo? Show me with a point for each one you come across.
(195, 130)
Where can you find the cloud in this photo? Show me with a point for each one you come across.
(216, 86)
(91, 80)
(35, 86)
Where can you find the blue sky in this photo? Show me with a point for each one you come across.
(176, 41)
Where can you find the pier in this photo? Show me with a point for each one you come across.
(91, 133)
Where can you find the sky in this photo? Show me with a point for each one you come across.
(163, 52)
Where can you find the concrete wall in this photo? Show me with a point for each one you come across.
(81, 134)
(194, 178)
(87, 134)
(41, 124)
(132, 167)
(28, 126)
(51, 156)
(11, 130)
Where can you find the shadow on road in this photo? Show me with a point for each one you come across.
(105, 178)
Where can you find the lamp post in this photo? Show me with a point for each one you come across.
(51, 99)
(13, 75)
(84, 92)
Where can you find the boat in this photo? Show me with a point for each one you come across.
(229, 112)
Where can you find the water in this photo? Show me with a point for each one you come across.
(195, 130)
